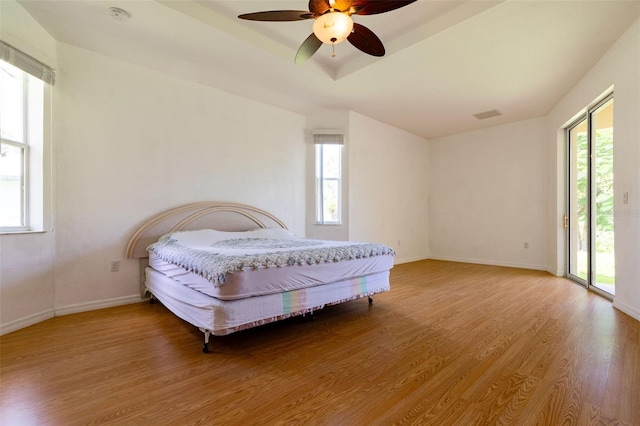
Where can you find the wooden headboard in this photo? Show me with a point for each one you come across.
(206, 215)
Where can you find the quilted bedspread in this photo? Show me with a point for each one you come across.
(214, 254)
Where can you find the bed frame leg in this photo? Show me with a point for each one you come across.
(370, 300)
(207, 334)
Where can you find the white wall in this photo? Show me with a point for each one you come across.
(131, 143)
(487, 196)
(27, 260)
(388, 187)
(619, 67)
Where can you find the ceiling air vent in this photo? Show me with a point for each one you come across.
(487, 114)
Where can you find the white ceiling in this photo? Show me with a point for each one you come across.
(445, 61)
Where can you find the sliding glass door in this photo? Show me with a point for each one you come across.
(590, 199)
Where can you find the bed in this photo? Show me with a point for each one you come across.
(226, 267)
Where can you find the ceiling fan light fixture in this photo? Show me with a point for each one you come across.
(333, 27)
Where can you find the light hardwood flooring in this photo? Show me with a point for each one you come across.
(451, 343)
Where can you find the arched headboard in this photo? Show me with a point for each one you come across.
(221, 216)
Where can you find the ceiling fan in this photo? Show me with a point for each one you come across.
(333, 23)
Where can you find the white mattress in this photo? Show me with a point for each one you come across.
(264, 281)
(223, 317)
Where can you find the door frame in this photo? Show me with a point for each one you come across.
(586, 115)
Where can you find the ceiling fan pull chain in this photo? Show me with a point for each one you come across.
(333, 50)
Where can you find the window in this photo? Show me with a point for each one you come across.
(328, 178)
(22, 107)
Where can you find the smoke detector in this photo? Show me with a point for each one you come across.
(118, 14)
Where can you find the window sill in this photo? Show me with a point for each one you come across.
(21, 232)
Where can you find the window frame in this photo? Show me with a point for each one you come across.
(24, 146)
(321, 179)
(24, 187)
(37, 170)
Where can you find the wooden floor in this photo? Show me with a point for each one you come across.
(450, 343)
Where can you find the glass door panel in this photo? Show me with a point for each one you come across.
(579, 202)
(603, 260)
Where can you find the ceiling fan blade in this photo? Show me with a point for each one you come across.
(308, 48)
(342, 5)
(364, 39)
(277, 15)
(373, 7)
(319, 7)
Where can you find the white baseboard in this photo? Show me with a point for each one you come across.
(556, 272)
(409, 260)
(632, 312)
(24, 322)
(66, 310)
(98, 304)
(493, 263)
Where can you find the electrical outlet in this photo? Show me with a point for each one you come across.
(115, 266)
(625, 198)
